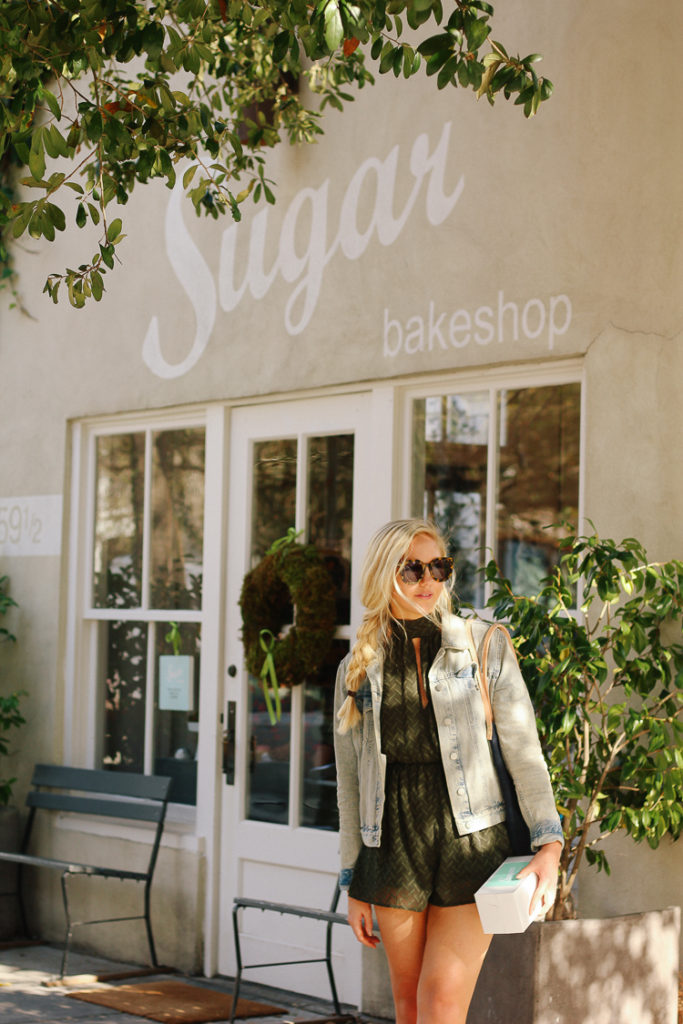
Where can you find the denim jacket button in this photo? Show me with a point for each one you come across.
(454, 756)
(438, 687)
(448, 721)
(461, 790)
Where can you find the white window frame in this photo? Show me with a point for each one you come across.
(492, 380)
(82, 713)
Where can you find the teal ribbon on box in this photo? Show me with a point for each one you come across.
(267, 642)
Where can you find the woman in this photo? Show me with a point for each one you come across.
(421, 818)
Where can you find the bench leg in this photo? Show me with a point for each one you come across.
(330, 971)
(238, 957)
(148, 924)
(67, 912)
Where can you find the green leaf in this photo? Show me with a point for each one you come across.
(53, 103)
(114, 229)
(81, 216)
(36, 163)
(281, 46)
(436, 44)
(97, 285)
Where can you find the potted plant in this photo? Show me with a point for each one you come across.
(600, 649)
(10, 718)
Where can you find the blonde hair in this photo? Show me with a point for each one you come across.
(378, 586)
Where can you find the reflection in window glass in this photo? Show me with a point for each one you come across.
(330, 510)
(269, 757)
(450, 444)
(538, 479)
(319, 787)
(124, 698)
(176, 713)
(119, 495)
(273, 494)
(177, 536)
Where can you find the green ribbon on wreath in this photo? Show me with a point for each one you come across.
(267, 642)
(284, 542)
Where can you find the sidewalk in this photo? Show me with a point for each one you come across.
(28, 992)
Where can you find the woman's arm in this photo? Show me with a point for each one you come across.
(515, 719)
(348, 796)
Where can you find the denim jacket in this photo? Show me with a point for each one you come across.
(471, 778)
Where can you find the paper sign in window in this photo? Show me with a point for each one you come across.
(176, 682)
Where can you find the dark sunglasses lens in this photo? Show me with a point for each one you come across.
(441, 569)
(413, 571)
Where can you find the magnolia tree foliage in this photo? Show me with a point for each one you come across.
(607, 685)
(98, 95)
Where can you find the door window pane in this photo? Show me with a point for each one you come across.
(125, 693)
(450, 450)
(119, 496)
(319, 775)
(273, 493)
(538, 479)
(177, 536)
(269, 757)
(536, 465)
(330, 511)
(176, 712)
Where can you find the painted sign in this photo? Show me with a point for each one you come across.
(303, 270)
(31, 526)
(252, 259)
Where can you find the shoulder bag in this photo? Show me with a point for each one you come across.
(518, 830)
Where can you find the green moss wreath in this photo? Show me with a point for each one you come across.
(292, 575)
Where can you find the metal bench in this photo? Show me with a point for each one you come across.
(123, 795)
(331, 917)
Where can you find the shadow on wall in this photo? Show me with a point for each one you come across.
(600, 971)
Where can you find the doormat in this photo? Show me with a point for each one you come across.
(174, 1002)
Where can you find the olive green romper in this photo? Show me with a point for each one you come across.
(421, 858)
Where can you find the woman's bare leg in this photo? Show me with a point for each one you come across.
(403, 936)
(454, 951)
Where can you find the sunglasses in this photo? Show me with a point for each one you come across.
(413, 570)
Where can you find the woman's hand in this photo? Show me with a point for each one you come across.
(544, 865)
(360, 918)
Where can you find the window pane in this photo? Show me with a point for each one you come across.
(330, 510)
(274, 494)
(450, 443)
(176, 713)
(124, 728)
(538, 478)
(177, 538)
(319, 792)
(119, 494)
(269, 757)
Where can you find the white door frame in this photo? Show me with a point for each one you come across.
(371, 413)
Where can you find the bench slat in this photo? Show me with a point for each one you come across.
(72, 867)
(96, 805)
(95, 780)
(289, 908)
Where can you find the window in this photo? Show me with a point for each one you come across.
(145, 600)
(321, 468)
(498, 470)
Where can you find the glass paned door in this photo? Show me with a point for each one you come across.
(306, 465)
(320, 468)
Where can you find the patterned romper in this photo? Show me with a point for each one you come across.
(421, 859)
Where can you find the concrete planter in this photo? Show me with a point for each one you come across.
(10, 839)
(619, 970)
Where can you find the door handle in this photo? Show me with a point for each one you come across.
(229, 743)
